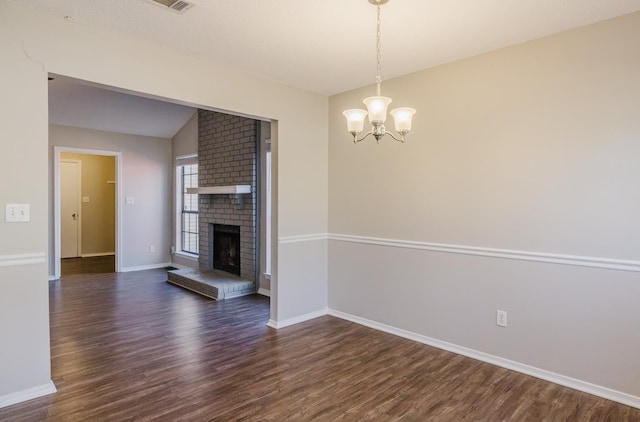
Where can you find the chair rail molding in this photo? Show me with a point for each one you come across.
(303, 238)
(576, 260)
(22, 259)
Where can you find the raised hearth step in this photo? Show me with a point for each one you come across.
(214, 284)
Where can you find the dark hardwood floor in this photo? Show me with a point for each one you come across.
(131, 347)
(91, 265)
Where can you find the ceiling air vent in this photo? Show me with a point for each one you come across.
(178, 6)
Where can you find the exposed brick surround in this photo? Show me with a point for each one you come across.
(227, 156)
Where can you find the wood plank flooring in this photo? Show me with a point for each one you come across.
(131, 347)
(95, 264)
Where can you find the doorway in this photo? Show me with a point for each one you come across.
(87, 210)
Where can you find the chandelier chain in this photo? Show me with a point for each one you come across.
(378, 59)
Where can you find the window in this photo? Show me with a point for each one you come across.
(189, 209)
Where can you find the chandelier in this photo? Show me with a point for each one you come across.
(377, 106)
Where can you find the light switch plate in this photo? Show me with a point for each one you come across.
(128, 200)
(17, 213)
(85, 199)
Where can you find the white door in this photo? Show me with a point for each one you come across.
(70, 174)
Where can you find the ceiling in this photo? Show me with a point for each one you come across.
(328, 46)
(73, 103)
(325, 46)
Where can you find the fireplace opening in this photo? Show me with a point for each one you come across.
(225, 248)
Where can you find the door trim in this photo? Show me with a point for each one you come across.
(57, 150)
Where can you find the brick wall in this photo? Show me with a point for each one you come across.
(227, 156)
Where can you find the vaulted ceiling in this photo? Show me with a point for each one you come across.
(74, 103)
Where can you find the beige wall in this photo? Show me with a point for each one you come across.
(185, 142)
(24, 327)
(99, 214)
(33, 44)
(532, 148)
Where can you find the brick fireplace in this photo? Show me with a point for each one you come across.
(227, 156)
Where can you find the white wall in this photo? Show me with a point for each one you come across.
(532, 148)
(33, 44)
(146, 177)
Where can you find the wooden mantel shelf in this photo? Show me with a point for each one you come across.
(220, 190)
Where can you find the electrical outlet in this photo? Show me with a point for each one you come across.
(501, 318)
(152, 249)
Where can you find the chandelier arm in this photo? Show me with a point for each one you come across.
(400, 139)
(356, 140)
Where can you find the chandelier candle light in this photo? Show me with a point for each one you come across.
(377, 106)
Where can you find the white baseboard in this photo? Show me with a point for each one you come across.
(145, 267)
(576, 384)
(28, 394)
(264, 292)
(297, 320)
(92, 255)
